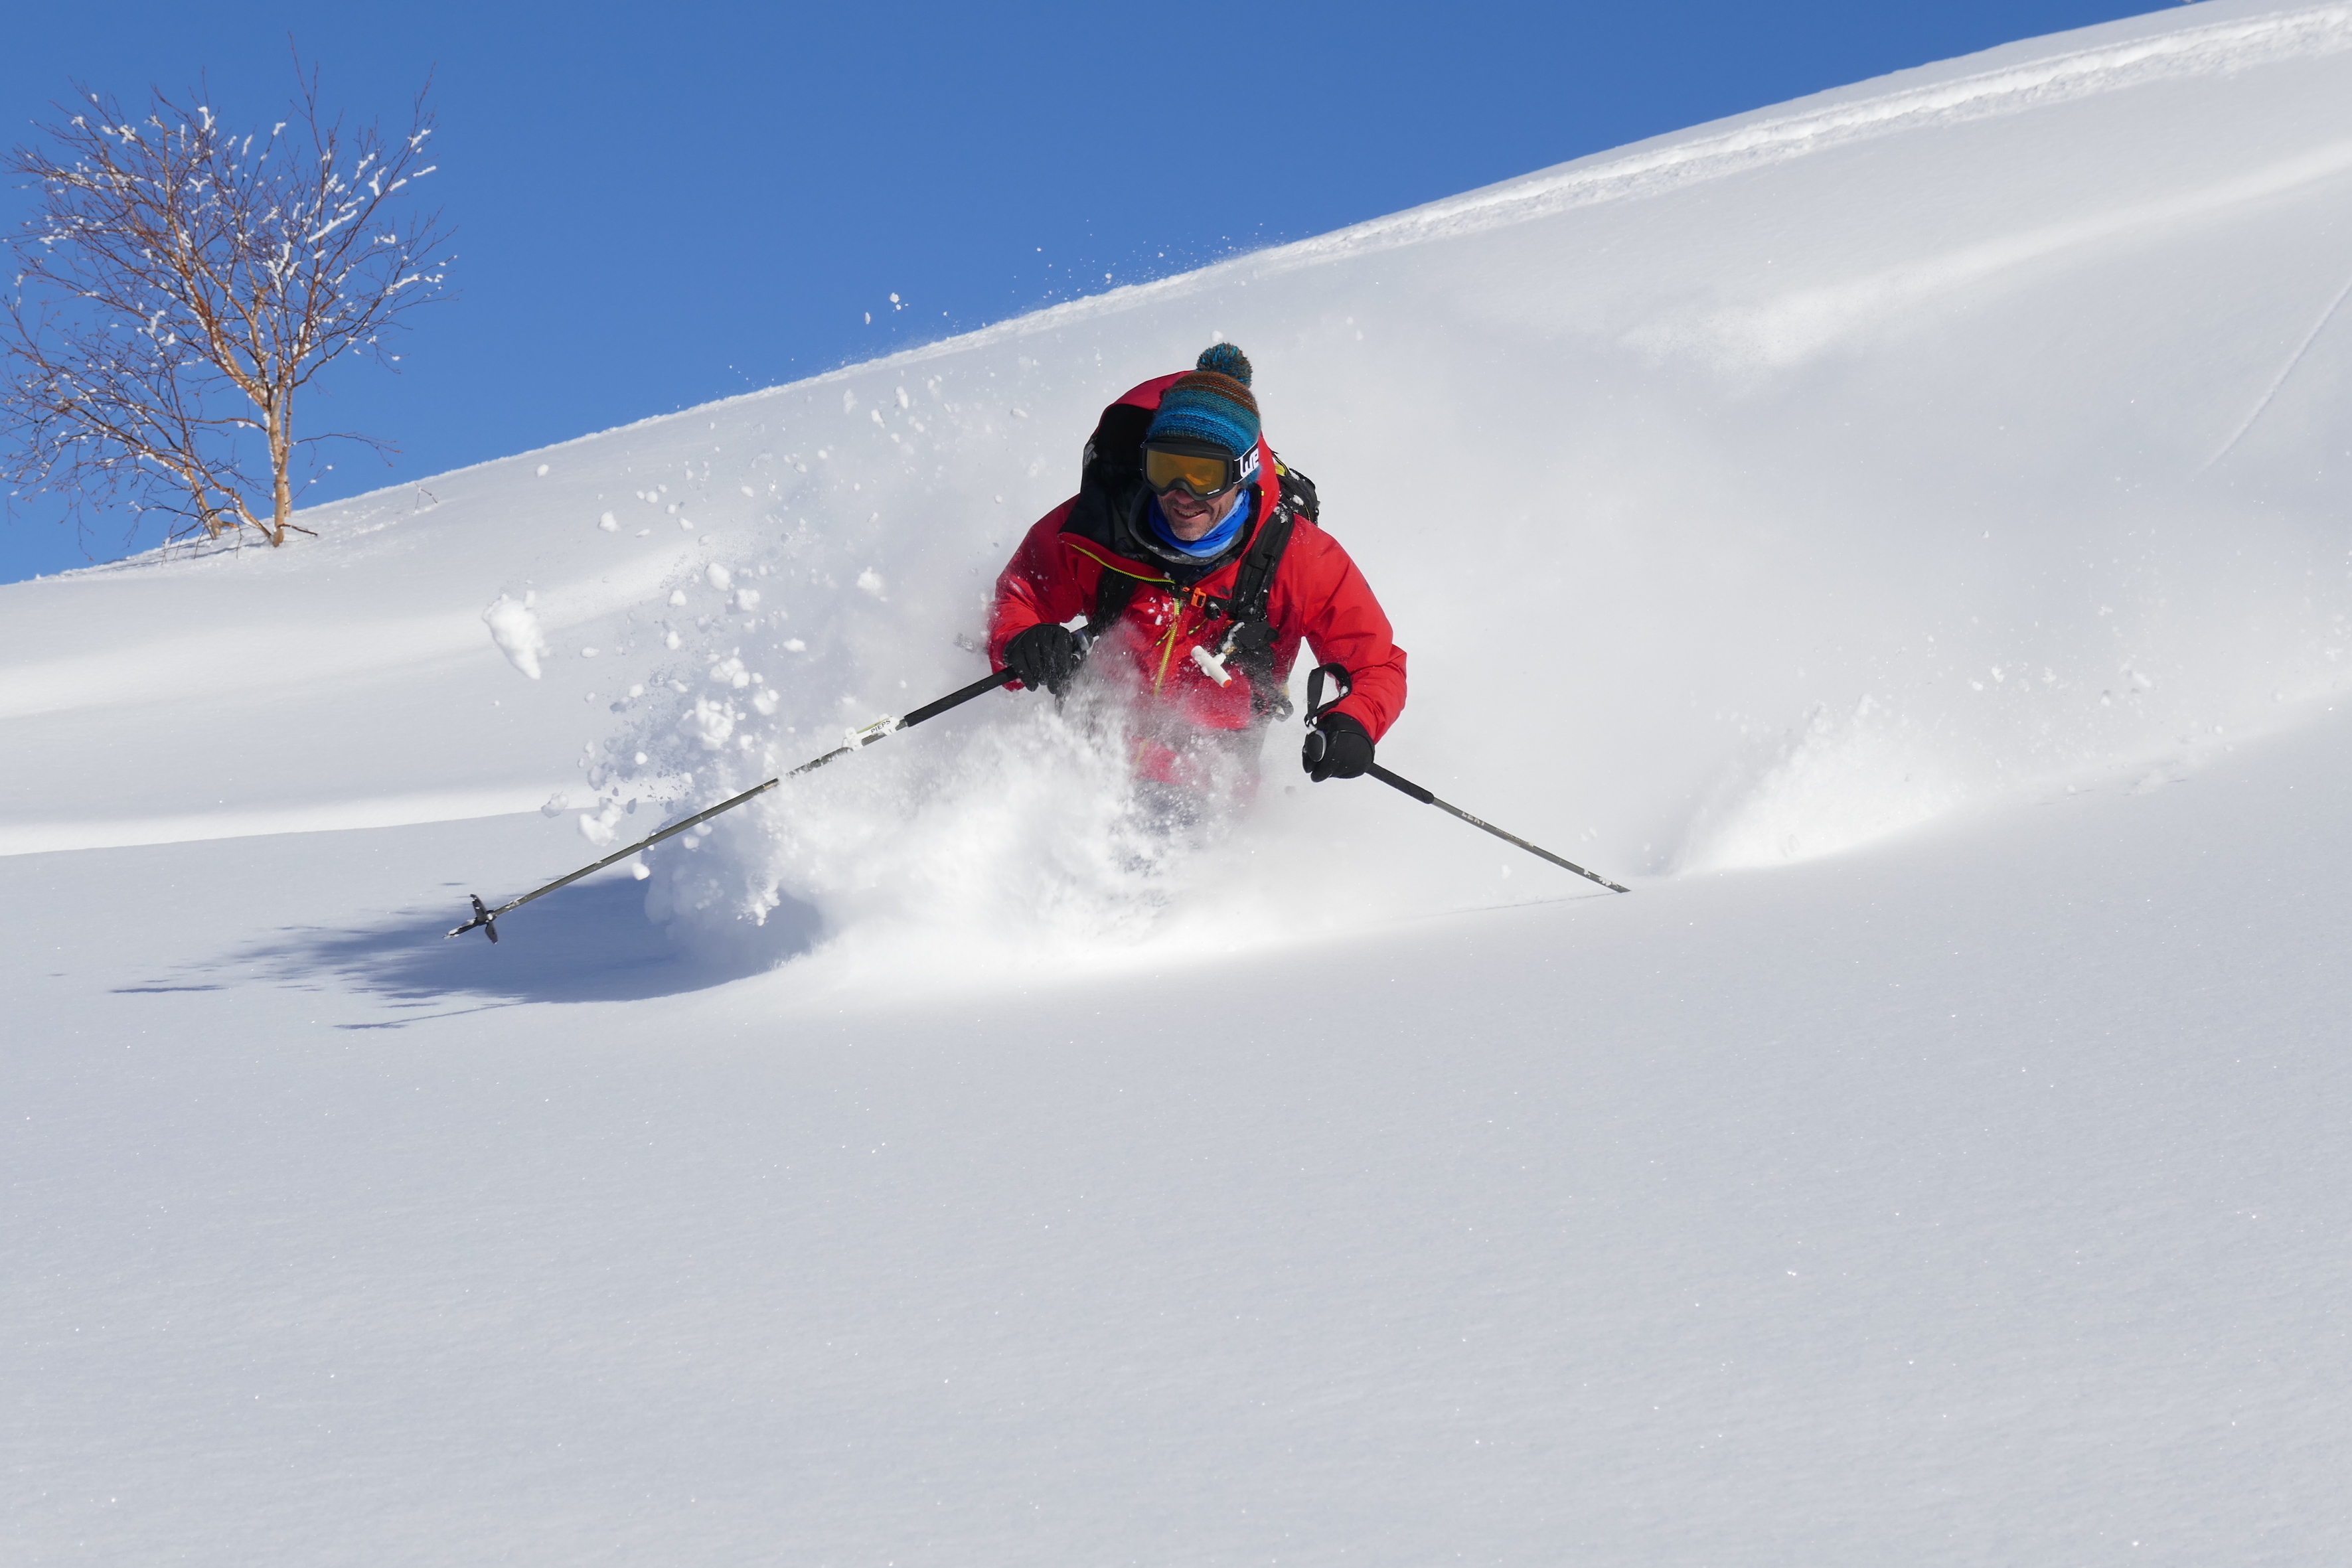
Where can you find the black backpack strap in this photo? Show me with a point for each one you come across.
(1250, 643)
(1254, 584)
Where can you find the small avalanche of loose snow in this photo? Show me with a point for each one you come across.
(1838, 781)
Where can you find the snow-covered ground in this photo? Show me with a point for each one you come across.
(1901, 533)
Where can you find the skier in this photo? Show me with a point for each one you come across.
(1196, 558)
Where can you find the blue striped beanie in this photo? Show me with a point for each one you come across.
(1213, 403)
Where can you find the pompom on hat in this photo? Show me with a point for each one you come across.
(1211, 403)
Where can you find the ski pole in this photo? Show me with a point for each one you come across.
(487, 918)
(1317, 708)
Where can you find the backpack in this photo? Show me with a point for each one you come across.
(1110, 476)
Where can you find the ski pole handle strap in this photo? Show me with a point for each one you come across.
(1316, 706)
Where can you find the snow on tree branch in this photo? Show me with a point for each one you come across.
(178, 287)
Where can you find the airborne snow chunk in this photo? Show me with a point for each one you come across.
(516, 632)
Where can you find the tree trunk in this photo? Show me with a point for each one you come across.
(281, 459)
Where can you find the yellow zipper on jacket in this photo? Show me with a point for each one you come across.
(1168, 647)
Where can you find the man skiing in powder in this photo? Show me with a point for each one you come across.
(1196, 558)
(1197, 561)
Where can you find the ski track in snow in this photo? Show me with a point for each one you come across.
(2270, 393)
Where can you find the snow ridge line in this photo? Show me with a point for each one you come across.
(251, 822)
(1688, 157)
(2211, 49)
(176, 670)
(1678, 159)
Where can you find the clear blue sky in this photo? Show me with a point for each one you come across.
(658, 206)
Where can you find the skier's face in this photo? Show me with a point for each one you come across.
(1191, 518)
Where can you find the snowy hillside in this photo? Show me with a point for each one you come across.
(1902, 533)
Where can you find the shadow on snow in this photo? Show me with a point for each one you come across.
(587, 944)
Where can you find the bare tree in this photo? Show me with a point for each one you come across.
(181, 282)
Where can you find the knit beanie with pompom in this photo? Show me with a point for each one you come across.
(1213, 403)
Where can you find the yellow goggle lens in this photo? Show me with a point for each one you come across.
(1201, 476)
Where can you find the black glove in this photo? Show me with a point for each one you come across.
(1043, 656)
(1339, 748)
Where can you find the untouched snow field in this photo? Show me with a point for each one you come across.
(1906, 534)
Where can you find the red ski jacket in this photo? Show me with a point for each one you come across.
(1318, 594)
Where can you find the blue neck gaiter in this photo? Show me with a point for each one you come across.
(1212, 543)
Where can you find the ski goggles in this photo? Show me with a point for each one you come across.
(1194, 467)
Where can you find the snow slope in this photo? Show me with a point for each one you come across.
(1900, 532)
